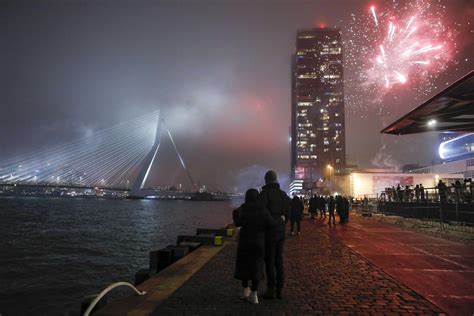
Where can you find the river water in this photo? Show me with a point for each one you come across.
(55, 251)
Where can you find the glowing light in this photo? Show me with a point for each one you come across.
(421, 62)
(107, 156)
(382, 50)
(455, 148)
(401, 78)
(397, 49)
(372, 9)
(442, 151)
(432, 123)
(396, 45)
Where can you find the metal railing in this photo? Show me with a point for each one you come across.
(448, 208)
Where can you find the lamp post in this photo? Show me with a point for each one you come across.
(329, 167)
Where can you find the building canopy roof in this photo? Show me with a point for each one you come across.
(451, 110)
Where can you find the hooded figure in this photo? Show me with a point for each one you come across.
(254, 220)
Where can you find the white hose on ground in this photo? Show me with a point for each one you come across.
(107, 290)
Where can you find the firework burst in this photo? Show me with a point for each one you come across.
(406, 45)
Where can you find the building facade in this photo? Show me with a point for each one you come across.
(317, 106)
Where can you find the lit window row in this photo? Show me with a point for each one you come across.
(306, 76)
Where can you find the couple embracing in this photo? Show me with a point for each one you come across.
(262, 219)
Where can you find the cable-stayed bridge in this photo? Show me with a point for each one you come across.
(116, 158)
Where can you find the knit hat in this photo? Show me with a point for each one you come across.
(270, 177)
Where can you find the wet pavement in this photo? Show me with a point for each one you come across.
(363, 268)
(440, 270)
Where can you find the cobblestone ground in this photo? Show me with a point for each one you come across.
(322, 277)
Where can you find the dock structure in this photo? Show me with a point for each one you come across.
(366, 267)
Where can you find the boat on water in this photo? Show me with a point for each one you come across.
(206, 196)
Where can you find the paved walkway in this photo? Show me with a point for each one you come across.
(323, 276)
(440, 270)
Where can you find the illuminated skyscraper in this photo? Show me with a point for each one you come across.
(317, 105)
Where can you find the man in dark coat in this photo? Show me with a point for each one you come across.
(331, 208)
(313, 207)
(297, 208)
(278, 203)
(249, 263)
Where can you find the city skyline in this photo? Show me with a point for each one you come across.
(223, 85)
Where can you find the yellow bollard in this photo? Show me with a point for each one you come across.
(230, 232)
(218, 240)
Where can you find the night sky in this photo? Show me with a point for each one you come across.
(219, 70)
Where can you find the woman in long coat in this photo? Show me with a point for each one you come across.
(249, 265)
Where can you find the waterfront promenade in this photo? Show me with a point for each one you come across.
(364, 268)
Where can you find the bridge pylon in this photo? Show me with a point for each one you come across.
(138, 187)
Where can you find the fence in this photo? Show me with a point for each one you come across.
(450, 208)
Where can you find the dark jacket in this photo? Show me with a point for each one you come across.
(322, 203)
(278, 204)
(297, 208)
(331, 205)
(313, 204)
(254, 221)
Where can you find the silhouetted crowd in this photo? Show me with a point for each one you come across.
(321, 204)
(456, 192)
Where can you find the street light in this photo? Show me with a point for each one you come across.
(330, 170)
(330, 176)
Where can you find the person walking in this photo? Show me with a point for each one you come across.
(331, 208)
(296, 214)
(249, 264)
(278, 203)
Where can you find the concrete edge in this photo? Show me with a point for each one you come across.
(162, 285)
